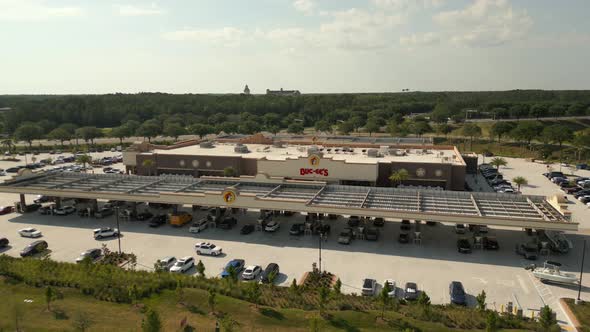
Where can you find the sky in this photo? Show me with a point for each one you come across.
(315, 46)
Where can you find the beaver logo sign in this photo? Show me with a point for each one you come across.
(229, 196)
(314, 160)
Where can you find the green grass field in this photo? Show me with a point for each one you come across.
(582, 312)
(108, 316)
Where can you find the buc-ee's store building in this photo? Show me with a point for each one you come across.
(367, 165)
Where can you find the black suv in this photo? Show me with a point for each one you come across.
(272, 268)
(457, 293)
(34, 248)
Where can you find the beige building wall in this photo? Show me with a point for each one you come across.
(325, 170)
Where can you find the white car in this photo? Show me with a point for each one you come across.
(182, 265)
(272, 226)
(166, 263)
(392, 285)
(30, 232)
(204, 248)
(251, 272)
(100, 233)
(64, 211)
(199, 226)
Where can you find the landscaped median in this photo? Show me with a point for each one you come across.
(579, 314)
(108, 297)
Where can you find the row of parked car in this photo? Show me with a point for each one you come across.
(495, 179)
(579, 187)
(411, 292)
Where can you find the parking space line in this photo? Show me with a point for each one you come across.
(522, 284)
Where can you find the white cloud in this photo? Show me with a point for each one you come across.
(132, 10)
(31, 10)
(407, 4)
(485, 23)
(227, 36)
(410, 41)
(304, 6)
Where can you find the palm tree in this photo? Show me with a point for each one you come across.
(397, 177)
(148, 164)
(520, 181)
(84, 159)
(498, 161)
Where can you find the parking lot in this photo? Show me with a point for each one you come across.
(433, 264)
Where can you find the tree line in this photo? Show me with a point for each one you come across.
(62, 118)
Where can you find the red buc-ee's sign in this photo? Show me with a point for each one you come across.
(311, 171)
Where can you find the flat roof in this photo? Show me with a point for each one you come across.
(302, 196)
(352, 155)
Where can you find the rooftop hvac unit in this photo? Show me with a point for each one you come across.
(373, 153)
(446, 159)
(241, 149)
(206, 145)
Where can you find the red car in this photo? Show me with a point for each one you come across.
(6, 209)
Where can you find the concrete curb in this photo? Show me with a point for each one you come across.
(569, 314)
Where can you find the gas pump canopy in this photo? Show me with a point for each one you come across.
(262, 192)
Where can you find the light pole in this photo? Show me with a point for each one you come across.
(581, 272)
(118, 228)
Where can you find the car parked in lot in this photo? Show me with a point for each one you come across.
(199, 226)
(378, 222)
(369, 286)
(91, 254)
(104, 212)
(463, 246)
(158, 220)
(145, 215)
(371, 233)
(65, 210)
(30, 232)
(236, 264)
(410, 291)
(101, 233)
(247, 229)
(460, 229)
(251, 272)
(6, 209)
(183, 264)
(490, 243)
(270, 270)
(403, 237)
(354, 221)
(4, 242)
(42, 199)
(34, 248)
(529, 251)
(345, 236)
(272, 226)
(45, 210)
(405, 225)
(166, 263)
(297, 229)
(227, 223)
(392, 286)
(206, 248)
(457, 293)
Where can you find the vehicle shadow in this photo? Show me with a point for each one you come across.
(6, 248)
(437, 242)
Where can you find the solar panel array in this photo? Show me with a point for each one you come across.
(314, 194)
